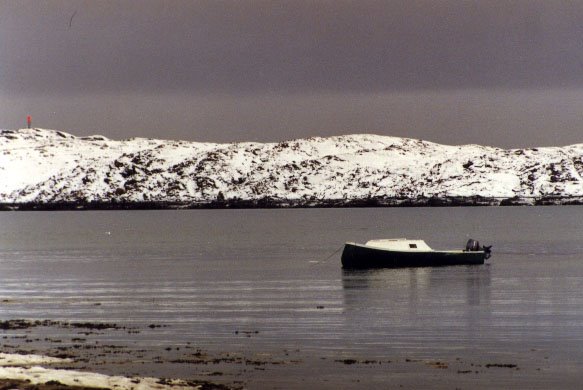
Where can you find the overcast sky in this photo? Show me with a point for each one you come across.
(504, 73)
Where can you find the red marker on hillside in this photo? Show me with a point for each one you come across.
(29, 121)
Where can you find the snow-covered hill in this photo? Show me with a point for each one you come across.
(47, 166)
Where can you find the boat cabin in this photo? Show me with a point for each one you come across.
(400, 244)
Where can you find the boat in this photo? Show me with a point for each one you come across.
(402, 252)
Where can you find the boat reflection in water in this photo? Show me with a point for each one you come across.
(419, 308)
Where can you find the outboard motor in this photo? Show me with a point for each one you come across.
(474, 246)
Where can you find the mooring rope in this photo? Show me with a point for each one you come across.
(327, 258)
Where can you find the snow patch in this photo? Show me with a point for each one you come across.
(18, 367)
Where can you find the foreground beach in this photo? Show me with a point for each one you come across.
(78, 360)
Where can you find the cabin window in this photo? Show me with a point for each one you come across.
(412, 245)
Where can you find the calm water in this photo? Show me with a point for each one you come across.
(260, 281)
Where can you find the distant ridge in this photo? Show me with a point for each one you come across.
(48, 169)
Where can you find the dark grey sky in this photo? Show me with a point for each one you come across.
(506, 73)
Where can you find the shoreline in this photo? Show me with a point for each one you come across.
(276, 203)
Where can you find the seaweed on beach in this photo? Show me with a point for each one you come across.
(6, 384)
(26, 324)
(500, 365)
